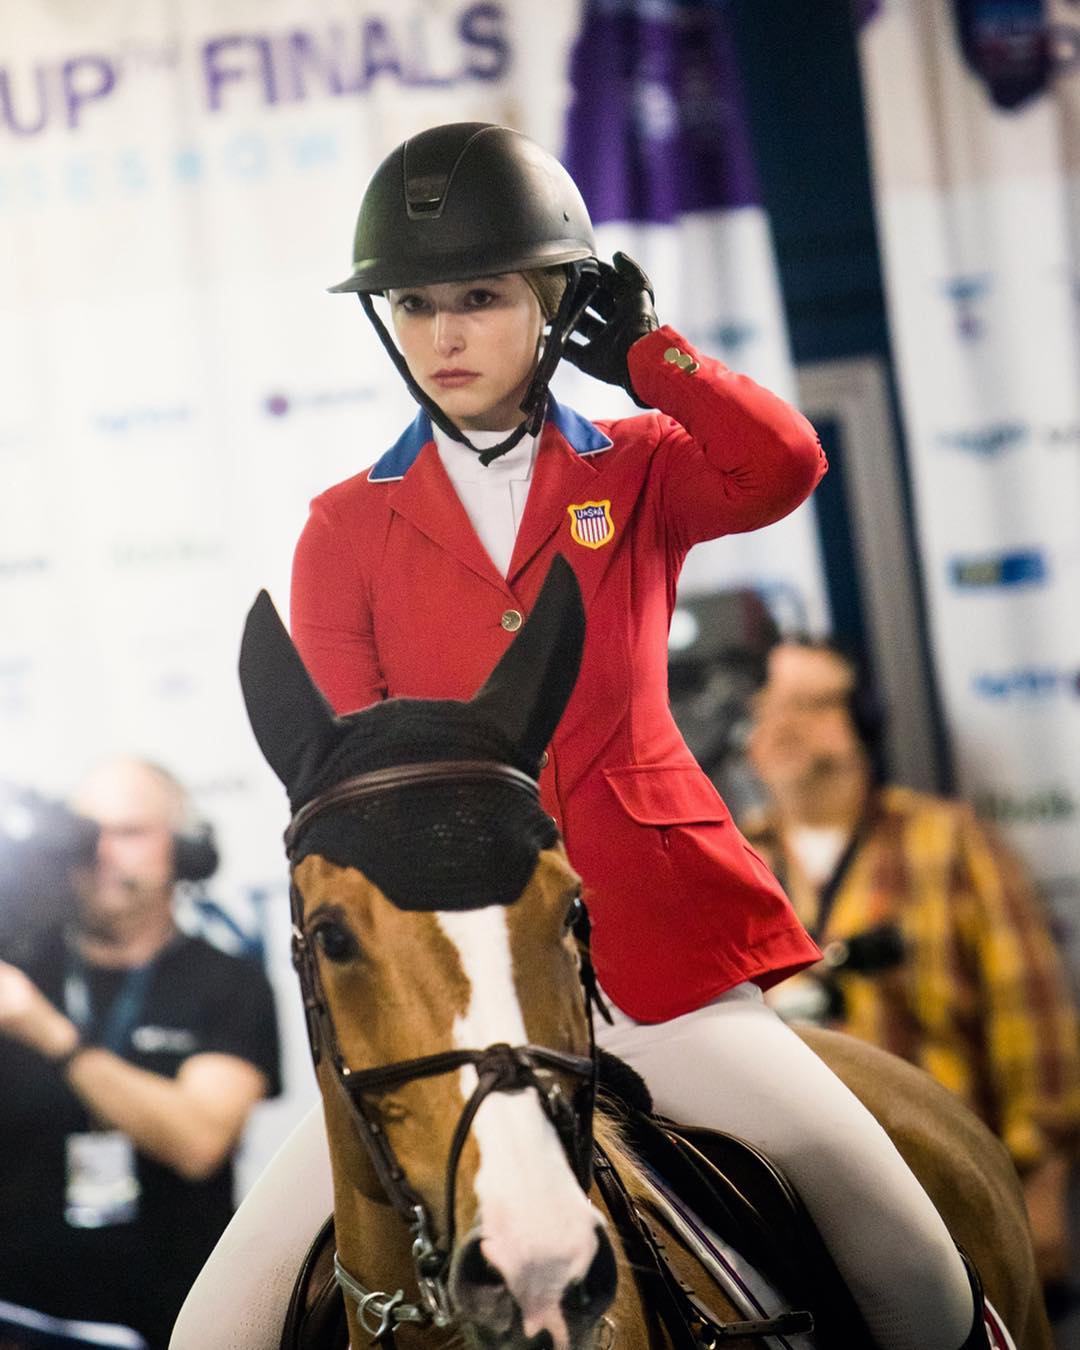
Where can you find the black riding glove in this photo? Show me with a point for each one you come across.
(623, 304)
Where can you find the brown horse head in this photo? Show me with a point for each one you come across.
(431, 899)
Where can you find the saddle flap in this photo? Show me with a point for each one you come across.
(316, 1317)
(747, 1201)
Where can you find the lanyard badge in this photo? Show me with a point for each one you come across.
(102, 1188)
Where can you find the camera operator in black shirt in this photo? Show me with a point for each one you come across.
(131, 1056)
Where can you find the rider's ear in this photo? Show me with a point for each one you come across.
(293, 724)
(527, 691)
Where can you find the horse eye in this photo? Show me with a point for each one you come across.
(574, 915)
(335, 941)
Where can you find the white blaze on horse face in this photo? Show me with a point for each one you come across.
(536, 1225)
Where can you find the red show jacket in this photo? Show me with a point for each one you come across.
(394, 595)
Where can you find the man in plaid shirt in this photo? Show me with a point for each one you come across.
(959, 973)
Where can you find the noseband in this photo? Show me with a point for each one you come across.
(499, 1068)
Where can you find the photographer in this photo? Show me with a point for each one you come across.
(940, 951)
(131, 1057)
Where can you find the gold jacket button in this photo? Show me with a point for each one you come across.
(544, 760)
(511, 620)
(683, 360)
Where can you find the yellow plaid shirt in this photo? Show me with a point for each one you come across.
(981, 1000)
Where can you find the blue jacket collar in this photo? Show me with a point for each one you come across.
(580, 434)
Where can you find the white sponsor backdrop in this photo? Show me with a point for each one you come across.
(979, 214)
(178, 184)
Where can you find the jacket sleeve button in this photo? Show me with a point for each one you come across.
(544, 759)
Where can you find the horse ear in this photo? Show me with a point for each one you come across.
(293, 724)
(526, 693)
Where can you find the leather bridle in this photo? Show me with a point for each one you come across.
(499, 1068)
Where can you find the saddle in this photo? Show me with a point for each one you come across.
(734, 1190)
(745, 1200)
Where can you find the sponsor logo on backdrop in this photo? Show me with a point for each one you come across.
(1049, 805)
(245, 157)
(176, 665)
(16, 678)
(1024, 567)
(174, 685)
(122, 421)
(986, 441)
(967, 295)
(21, 567)
(731, 337)
(412, 46)
(15, 440)
(998, 438)
(220, 785)
(281, 403)
(1064, 437)
(1025, 684)
(141, 554)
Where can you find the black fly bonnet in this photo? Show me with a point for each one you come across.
(466, 836)
(465, 840)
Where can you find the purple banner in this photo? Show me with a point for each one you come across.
(657, 124)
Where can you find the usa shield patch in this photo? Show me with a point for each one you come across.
(591, 524)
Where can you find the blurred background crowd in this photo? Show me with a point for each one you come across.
(871, 206)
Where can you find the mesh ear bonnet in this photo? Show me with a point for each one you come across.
(457, 845)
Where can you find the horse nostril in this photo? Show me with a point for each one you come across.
(479, 1293)
(593, 1295)
(475, 1269)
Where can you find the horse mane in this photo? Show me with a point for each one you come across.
(608, 1134)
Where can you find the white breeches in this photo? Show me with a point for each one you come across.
(734, 1065)
(242, 1294)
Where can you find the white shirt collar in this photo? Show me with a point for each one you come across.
(463, 465)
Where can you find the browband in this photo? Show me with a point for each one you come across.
(404, 775)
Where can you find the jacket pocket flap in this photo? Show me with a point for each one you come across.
(666, 794)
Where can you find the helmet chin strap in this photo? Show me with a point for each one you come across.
(583, 280)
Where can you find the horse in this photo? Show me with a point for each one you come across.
(435, 911)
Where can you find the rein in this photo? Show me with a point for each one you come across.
(499, 1068)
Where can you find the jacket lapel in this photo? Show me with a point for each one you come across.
(577, 464)
(426, 498)
(560, 476)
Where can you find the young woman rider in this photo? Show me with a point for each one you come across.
(410, 579)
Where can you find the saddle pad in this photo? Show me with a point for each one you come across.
(997, 1333)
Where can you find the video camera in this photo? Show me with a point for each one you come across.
(40, 842)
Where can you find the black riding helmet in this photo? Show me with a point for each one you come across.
(472, 199)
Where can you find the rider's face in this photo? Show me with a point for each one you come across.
(471, 346)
